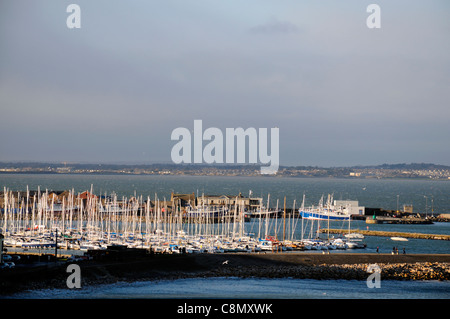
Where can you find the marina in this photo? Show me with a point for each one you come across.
(39, 220)
(85, 221)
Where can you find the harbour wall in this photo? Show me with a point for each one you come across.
(388, 234)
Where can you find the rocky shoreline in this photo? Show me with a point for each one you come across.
(169, 267)
(418, 271)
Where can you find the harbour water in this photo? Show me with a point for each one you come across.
(424, 195)
(254, 288)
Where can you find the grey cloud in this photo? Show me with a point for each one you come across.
(275, 26)
(340, 93)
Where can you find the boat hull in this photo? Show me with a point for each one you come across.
(399, 239)
(323, 216)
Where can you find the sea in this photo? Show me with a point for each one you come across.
(431, 197)
(426, 196)
(250, 288)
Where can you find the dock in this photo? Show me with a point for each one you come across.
(397, 220)
(388, 234)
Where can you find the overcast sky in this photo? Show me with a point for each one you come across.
(113, 91)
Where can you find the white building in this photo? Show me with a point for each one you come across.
(351, 207)
(250, 203)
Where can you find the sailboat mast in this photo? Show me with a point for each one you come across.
(284, 220)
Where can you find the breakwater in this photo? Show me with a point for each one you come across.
(398, 220)
(388, 234)
(417, 271)
(295, 265)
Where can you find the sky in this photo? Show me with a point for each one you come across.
(113, 90)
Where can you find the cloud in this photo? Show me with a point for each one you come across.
(275, 26)
(131, 74)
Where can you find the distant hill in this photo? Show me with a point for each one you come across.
(417, 166)
(107, 166)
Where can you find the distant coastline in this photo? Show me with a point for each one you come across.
(384, 171)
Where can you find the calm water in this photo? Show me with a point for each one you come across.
(237, 288)
(425, 195)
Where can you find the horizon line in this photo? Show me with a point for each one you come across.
(137, 163)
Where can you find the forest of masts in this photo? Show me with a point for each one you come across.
(135, 222)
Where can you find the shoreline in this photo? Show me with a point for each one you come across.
(352, 266)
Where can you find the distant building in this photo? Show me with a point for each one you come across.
(350, 206)
(355, 174)
(249, 203)
(86, 195)
(408, 209)
(216, 200)
(183, 200)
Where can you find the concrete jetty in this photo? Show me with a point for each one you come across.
(397, 220)
(388, 234)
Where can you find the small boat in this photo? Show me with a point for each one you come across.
(399, 238)
(351, 245)
(354, 236)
